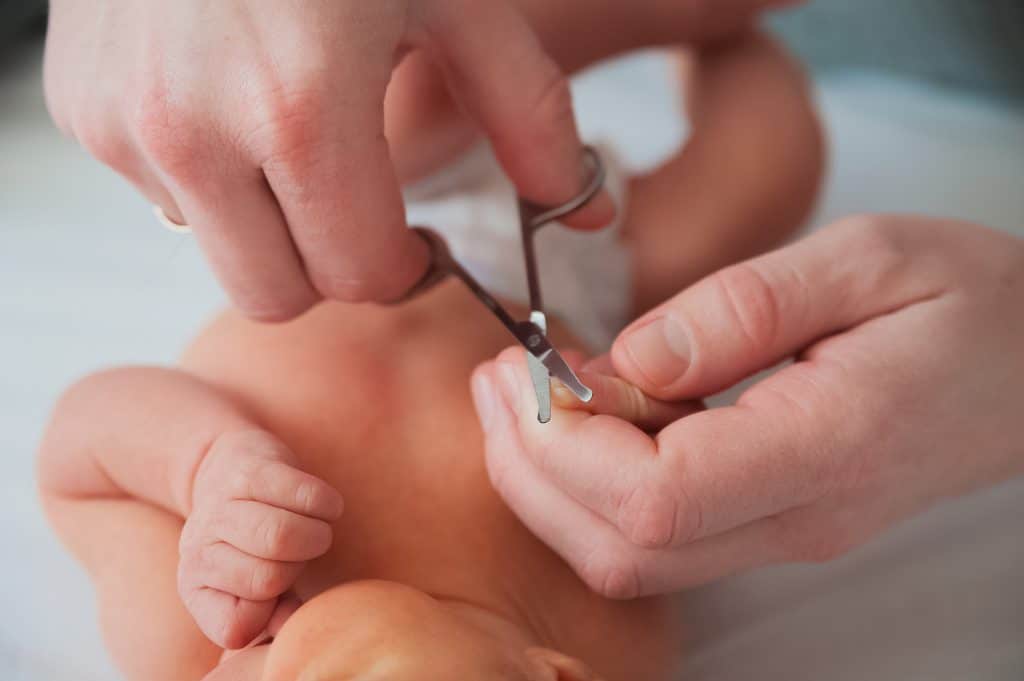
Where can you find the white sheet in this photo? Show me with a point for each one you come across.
(87, 279)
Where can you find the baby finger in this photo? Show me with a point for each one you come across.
(223, 567)
(273, 533)
(227, 620)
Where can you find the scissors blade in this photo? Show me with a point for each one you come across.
(541, 387)
(542, 358)
(537, 344)
(557, 367)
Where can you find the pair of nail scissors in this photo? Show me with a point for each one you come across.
(543, 360)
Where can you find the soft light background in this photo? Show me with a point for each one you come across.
(87, 279)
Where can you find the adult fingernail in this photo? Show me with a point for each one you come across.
(660, 350)
(484, 399)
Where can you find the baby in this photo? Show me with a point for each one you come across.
(206, 502)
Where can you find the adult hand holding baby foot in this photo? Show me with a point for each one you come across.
(255, 521)
(907, 386)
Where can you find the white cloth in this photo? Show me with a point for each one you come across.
(585, 277)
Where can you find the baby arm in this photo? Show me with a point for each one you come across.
(745, 179)
(138, 461)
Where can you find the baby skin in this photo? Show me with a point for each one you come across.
(236, 461)
(312, 496)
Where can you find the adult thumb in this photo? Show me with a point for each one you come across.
(750, 316)
(498, 71)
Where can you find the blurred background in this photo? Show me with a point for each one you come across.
(924, 106)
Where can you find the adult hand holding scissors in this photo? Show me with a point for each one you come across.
(907, 387)
(261, 126)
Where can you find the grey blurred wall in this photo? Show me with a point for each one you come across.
(18, 15)
(976, 45)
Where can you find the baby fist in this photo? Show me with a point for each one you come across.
(256, 520)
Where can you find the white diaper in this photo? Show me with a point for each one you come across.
(585, 276)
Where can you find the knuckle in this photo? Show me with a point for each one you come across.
(635, 404)
(611, 572)
(288, 127)
(306, 495)
(170, 136)
(347, 287)
(105, 143)
(551, 110)
(194, 568)
(239, 481)
(273, 535)
(266, 581)
(751, 302)
(202, 561)
(648, 516)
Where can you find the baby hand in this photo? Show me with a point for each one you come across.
(255, 521)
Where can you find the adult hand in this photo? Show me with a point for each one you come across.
(261, 125)
(907, 387)
(426, 129)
